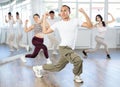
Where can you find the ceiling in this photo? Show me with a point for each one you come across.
(3, 1)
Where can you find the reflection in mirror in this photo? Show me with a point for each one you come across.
(13, 40)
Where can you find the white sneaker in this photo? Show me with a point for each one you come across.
(37, 70)
(55, 52)
(23, 59)
(27, 48)
(49, 61)
(11, 50)
(78, 79)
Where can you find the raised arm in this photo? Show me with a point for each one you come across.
(41, 22)
(113, 19)
(6, 21)
(27, 29)
(46, 29)
(88, 22)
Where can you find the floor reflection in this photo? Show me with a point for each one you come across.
(6, 54)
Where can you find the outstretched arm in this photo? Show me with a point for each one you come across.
(113, 19)
(27, 29)
(88, 22)
(46, 29)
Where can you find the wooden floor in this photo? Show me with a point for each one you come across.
(6, 53)
(97, 72)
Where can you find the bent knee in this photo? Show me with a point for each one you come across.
(78, 60)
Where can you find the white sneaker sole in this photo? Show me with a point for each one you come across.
(49, 62)
(36, 72)
(23, 59)
(79, 81)
(27, 48)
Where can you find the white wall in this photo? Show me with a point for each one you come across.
(86, 38)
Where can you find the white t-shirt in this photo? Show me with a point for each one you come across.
(67, 31)
(52, 21)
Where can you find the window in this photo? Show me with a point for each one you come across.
(52, 6)
(51, 0)
(114, 9)
(83, 0)
(113, 0)
(97, 9)
(68, 0)
(86, 8)
(98, 0)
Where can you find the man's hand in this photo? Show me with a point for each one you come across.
(81, 10)
(46, 15)
(26, 21)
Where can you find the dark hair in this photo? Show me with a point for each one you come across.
(103, 23)
(67, 7)
(36, 15)
(51, 12)
(17, 13)
(9, 13)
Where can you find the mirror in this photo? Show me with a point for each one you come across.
(13, 40)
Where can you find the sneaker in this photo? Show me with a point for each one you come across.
(27, 48)
(108, 56)
(85, 54)
(18, 49)
(37, 70)
(55, 52)
(23, 59)
(11, 50)
(49, 61)
(78, 79)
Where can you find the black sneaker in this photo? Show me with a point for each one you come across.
(85, 54)
(108, 56)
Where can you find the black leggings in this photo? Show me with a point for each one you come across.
(38, 43)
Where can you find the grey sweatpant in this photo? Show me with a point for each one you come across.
(67, 55)
(100, 41)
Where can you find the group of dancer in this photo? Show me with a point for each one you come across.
(14, 41)
(67, 30)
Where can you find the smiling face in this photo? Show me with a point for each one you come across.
(51, 15)
(17, 16)
(36, 18)
(99, 18)
(65, 12)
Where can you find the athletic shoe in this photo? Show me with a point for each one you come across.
(55, 52)
(49, 61)
(108, 56)
(37, 70)
(23, 59)
(78, 79)
(85, 54)
(27, 48)
(11, 50)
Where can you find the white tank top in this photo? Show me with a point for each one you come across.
(10, 24)
(101, 31)
(19, 25)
